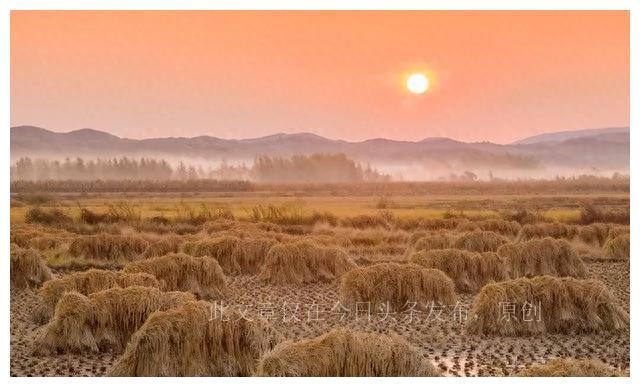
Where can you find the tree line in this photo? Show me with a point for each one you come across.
(300, 168)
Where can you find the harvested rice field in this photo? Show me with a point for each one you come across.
(407, 285)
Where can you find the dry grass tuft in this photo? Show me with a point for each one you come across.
(542, 256)
(187, 341)
(27, 269)
(108, 247)
(85, 283)
(469, 271)
(543, 230)
(500, 226)
(431, 242)
(102, 321)
(565, 367)
(304, 262)
(562, 305)
(201, 276)
(480, 241)
(235, 255)
(165, 245)
(343, 352)
(618, 247)
(595, 233)
(395, 285)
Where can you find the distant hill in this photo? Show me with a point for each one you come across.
(548, 154)
(604, 133)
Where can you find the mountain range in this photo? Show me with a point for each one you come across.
(583, 151)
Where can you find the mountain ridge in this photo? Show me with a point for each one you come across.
(586, 151)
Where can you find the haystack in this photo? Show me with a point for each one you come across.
(192, 341)
(85, 283)
(480, 241)
(102, 321)
(27, 269)
(108, 247)
(564, 367)
(500, 226)
(201, 276)
(234, 255)
(431, 242)
(304, 262)
(343, 352)
(595, 234)
(163, 246)
(394, 285)
(545, 304)
(542, 256)
(619, 247)
(543, 230)
(469, 271)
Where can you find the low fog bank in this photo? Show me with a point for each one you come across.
(315, 168)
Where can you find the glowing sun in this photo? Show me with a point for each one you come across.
(417, 83)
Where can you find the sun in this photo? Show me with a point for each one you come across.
(417, 83)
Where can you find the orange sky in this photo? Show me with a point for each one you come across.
(496, 76)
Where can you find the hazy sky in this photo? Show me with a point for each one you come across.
(495, 76)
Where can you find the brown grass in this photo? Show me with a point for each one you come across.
(618, 247)
(500, 226)
(304, 262)
(395, 285)
(102, 321)
(431, 242)
(165, 245)
(27, 269)
(187, 341)
(235, 255)
(85, 283)
(480, 241)
(343, 352)
(542, 256)
(565, 305)
(543, 230)
(108, 247)
(595, 233)
(564, 367)
(201, 276)
(469, 271)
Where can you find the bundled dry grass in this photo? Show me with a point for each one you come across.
(108, 247)
(469, 271)
(432, 242)
(85, 283)
(500, 226)
(187, 341)
(201, 276)
(595, 233)
(44, 242)
(542, 256)
(304, 262)
(480, 241)
(543, 230)
(234, 255)
(618, 247)
(395, 286)
(384, 219)
(165, 245)
(563, 305)
(343, 352)
(566, 367)
(104, 320)
(27, 269)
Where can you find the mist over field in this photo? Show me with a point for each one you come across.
(39, 154)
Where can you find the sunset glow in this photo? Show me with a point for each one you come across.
(417, 83)
(491, 75)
